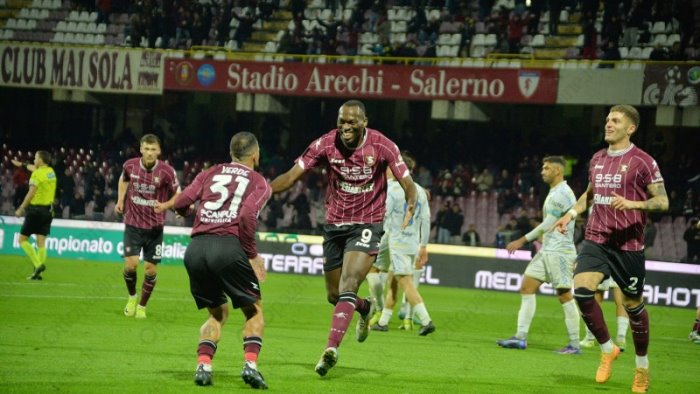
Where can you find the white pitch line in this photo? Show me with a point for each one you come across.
(83, 297)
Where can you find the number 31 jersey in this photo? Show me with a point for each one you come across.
(230, 198)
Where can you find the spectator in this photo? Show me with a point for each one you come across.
(245, 27)
(659, 53)
(484, 182)
(471, 236)
(692, 239)
(611, 54)
(454, 222)
(77, 206)
(20, 180)
(677, 53)
(442, 223)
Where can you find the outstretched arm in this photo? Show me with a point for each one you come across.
(286, 180)
(580, 207)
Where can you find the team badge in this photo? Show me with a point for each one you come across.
(623, 168)
(184, 73)
(527, 82)
(156, 180)
(370, 160)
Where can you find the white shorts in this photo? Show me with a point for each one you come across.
(607, 284)
(399, 264)
(554, 268)
(383, 260)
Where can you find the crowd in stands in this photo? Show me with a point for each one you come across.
(470, 204)
(586, 29)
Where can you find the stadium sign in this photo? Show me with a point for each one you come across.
(106, 70)
(372, 81)
(671, 85)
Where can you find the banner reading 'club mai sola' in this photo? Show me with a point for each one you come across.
(364, 81)
(108, 70)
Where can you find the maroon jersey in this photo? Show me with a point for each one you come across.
(230, 198)
(627, 173)
(146, 187)
(356, 177)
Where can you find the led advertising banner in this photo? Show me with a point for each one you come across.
(667, 284)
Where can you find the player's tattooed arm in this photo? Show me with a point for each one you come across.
(659, 200)
(657, 203)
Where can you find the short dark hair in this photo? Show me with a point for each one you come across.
(629, 111)
(555, 159)
(150, 139)
(355, 103)
(45, 156)
(242, 145)
(409, 160)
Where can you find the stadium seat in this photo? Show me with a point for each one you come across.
(537, 41)
(646, 53)
(479, 40)
(658, 27)
(33, 13)
(24, 13)
(74, 16)
(659, 39)
(624, 52)
(11, 23)
(672, 38)
(635, 53)
(490, 40)
(101, 28)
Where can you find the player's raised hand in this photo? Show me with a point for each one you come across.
(259, 268)
(620, 203)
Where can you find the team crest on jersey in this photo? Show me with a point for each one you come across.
(623, 168)
(370, 160)
(156, 180)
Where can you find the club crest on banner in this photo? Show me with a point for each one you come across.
(527, 82)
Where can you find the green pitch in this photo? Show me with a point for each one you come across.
(67, 333)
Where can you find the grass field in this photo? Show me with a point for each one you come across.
(67, 333)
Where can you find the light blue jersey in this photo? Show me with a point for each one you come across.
(406, 241)
(558, 202)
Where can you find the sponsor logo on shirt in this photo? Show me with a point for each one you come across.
(337, 161)
(143, 202)
(608, 181)
(352, 189)
(603, 200)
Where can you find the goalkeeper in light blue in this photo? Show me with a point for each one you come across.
(400, 252)
(553, 264)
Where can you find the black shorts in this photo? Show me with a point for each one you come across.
(37, 220)
(626, 268)
(148, 239)
(217, 267)
(349, 237)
